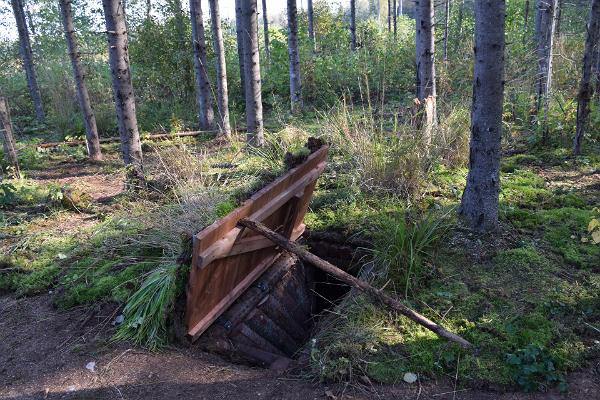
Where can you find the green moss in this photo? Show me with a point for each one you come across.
(512, 163)
(523, 188)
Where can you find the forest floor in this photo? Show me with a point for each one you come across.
(44, 349)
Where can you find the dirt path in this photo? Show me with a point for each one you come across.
(44, 353)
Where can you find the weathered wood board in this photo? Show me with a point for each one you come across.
(227, 259)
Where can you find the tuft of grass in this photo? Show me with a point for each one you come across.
(403, 245)
(147, 310)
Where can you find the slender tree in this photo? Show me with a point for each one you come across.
(311, 25)
(266, 29)
(27, 55)
(446, 25)
(118, 57)
(389, 15)
(89, 119)
(203, 92)
(294, 57)
(558, 16)
(545, 25)
(395, 19)
(480, 199)
(223, 100)
(401, 8)
(239, 29)
(425, 46)
(8, 142)
(353, 24)
(585, 85)
(254, 116)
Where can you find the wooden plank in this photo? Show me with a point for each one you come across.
(228, 259)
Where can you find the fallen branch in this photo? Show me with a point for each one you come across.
(157, 136)
(359, 284)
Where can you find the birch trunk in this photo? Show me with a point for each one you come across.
(203, 92)
(239, 27)
(585, 86)
(294, 57)
(425, 46)
(545, 25)
(311, 26)
(219, 48)
(118, 57)
(254, 116)
(266, 29)
(353, 24)
(89, 119)
(8, 142)
(27, 55)
(479, 204)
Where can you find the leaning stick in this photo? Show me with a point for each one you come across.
(359, 284)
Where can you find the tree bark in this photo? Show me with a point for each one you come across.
(266, 29)
(479, 204)
(254, 116)
(395, 19)
(311, 26)
(375, 294)
(203, 92)
(425, 46)
(118, 57)
(219, 48)
(9, 140)
(585, 86)
(353, 24)
(389, 16)
(446, 25)
(545, 25)
(401, 12)
(294, 57)
(239, 28)
(89, 119)
(558, 16)
(27, 55)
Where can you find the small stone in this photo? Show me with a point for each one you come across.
(119, 320)
(91, 366)
(409, 377)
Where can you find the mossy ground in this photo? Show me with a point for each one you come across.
(534, 285)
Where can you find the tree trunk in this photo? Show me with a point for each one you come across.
(479, 204)
(148, 10)
(545, 25)
(266, 29)
(585, 86)
(9, 141)
(118, 57)
(526, 16)
(294, 57)
(558, 17)
(89, 119)
(311, 26)
(219, 48)
(401, 12)
(27, 55)
(389, 16)
(353, 24)
(254, 116)
(203, 92)
(446, 24)
(395, 19)
(239, 28)
(425, 46)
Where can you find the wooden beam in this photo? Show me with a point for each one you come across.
(357, 283)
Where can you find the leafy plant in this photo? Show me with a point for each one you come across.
(535, 369)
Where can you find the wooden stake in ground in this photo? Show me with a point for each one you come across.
(9, 141)
(359, 284)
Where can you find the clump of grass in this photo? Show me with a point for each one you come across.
(403, 245)
(147, 309)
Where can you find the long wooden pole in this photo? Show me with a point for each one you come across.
(359, 284)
